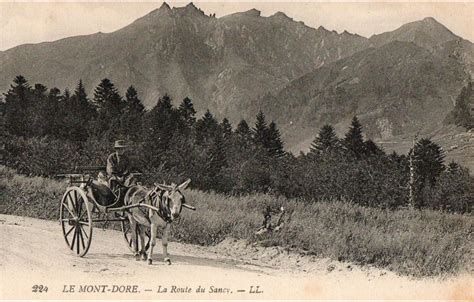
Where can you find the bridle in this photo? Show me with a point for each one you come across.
(162, 202)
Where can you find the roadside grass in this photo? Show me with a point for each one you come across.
(406, 241)
(36, 197)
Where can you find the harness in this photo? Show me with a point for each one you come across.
(158, 200)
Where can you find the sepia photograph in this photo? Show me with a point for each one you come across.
(226, 150)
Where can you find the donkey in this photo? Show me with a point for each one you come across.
(169, 200)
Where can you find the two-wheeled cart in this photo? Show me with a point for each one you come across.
(78, 212)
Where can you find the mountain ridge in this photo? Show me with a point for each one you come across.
(240, 63)
(167, 33)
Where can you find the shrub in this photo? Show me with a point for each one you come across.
(41, 156)
(453, 192)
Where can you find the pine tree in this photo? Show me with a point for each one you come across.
(243, 131)
(68, 123)
(133, 104)
(83, 103)
(39, 91)
(79, 112)
(275, 144)
(38, 111)
(106, 96)
(55, 109)
(109, 106)
(429, 160)
(132, 117)
(326, 141)
(372, 149)
(55, 94)
(80, 92)
(243, 137)
(260, 131)
(353, 140)
(454, 168)
(66, 95)
(207, 128)
(48, 113)
(427, 163)
(187, 112)
(217, 156)
(226, 128)
(161, 124)
(17, 100)
(164, 105)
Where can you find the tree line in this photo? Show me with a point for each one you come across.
(49, 131)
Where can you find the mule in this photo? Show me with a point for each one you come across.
(169, 199)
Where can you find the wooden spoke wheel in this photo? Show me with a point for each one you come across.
(127, 234)
(76, 220)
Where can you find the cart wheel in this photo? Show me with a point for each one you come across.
(127, 234)
(76, 220)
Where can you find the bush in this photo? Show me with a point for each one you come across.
(41, 156)
(376, 181)
(47, 156)
(454, 192)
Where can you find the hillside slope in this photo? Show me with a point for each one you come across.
(219, 62)
(396, 89)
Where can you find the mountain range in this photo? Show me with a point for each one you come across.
(398, 83)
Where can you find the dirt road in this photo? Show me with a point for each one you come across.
(33, 252)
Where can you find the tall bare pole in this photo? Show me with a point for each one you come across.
(411, 197)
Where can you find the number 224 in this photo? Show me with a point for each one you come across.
(39, 289)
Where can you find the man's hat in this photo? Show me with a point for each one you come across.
(120, 144)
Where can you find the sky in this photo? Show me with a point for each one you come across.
(34, 22)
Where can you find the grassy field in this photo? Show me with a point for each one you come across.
(411, 242)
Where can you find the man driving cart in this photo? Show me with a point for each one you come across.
(110, 189)
(118, 166)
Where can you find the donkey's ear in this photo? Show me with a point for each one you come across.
(184, 185)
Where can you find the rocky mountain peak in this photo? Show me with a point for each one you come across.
(346, 33)
(252, 13)
(164, 10)
(281, 16)
(164, 7)
(191, 6)
(430, 20)
(429, 24)
(427, 33)
(188, 10)
(323, 29)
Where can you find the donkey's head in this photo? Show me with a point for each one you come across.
(174, 198)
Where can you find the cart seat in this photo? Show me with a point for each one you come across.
(102, 194)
